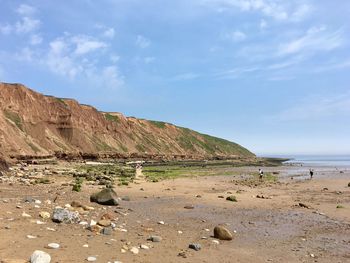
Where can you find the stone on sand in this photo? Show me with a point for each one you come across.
(40, 257)
(222, 233)
(61, 215)
(105, 197)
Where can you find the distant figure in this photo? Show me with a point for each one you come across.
(311, 173)
(261, 173)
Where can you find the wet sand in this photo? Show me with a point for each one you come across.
(275, 229)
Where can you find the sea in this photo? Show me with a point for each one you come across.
(318, 160)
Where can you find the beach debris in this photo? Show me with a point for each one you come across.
(222, 233)
(304, 205)
(231, 198)
(154, 238)
(62, 215)
(195, 246)
(105, 197)
(53, 245)
(40, 257)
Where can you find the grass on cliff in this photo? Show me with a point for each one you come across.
(111, 117)
(158, 124)
(15, 118)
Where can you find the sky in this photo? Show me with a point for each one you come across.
(271, 75)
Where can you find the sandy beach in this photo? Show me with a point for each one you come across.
(292, 220)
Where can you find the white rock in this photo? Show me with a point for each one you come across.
(144, 247)
(134, 250)
(24, 214)
(161, 222)
(53, 245)
(123, 250)
(51, 229)
(180, 232)
(67, 206)
(93, 223)
(86, 245)
(91, 259)
(84, 223)
(36, 206)
(37, 202)
(40, 257)
(216, 242)
(31, 237)
(38, 222)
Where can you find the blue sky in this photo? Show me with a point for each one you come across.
(271, 75)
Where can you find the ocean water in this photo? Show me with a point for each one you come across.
(320, 160)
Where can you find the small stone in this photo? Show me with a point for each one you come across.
(122, 250)
(161, 222)
(105, 197)
(134, 250)
(37, 202)
(51, 229)
(189, 207)
(104, 222)
(155, 238)
(91, 259)
(61, 215)
(107, 231)
(40, 257)
(85, 245)
(195, 247)
(231, 198)
(222, 233)
(144, 247)
(24, 214)
(179, 232)
(53, 245)
(38, 222)
(215, 242)
(31, 237)
(44, 215)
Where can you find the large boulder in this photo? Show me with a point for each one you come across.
(222, 233)
(61, 215)
(40, 257)
(105, 197)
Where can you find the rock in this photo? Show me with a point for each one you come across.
(44, 215)
(304, 205)
(108, 216)
(126, 198)
(216, 242)
(24, 214)
(40, 257)
(31, 237)
(76, 204)
(195, 247)
(107, 231)
(144, 247)
(105, 197)
(189, 207)
(231, 198)
(222, 233)
(91, 259)
(348, 184)
(155, 238)
(134, 250)
(161, 222)
(61, 215)
(104, 222)
(53, 245)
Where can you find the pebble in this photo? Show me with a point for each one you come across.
(44, 215)
(144, 247)
(86, 245)
(180, 232)
(51, 229)
(134, 250)
(195, 247)
(31, 237)
(53, 245)
(37, 202)
(24, 214)
(40, 257)
(215, 242)
(91, 259)
(161, 222)
(155, 238)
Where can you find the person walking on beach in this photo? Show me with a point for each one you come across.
(261, 173)
(311, 173)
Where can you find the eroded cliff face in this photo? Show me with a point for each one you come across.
(32, 124)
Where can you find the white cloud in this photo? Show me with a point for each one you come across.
(27, 25)
(26, 10)
(36, 39)
(315, 39)
(142, 42)
(6, 29)
(263, 24)
(86, 44)
(235, 36)
(109, 33)
(149, 60)
(270, 8)
(316, 107)
(301, 12)
(186, 76)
